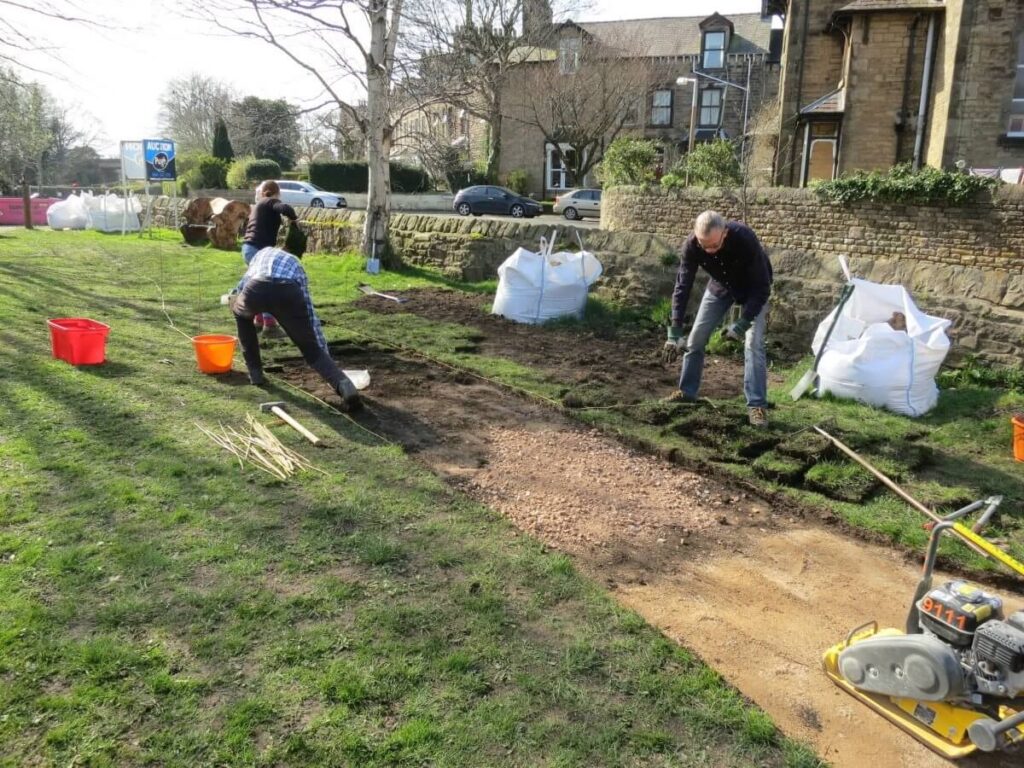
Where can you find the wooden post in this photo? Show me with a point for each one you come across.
(26, 201)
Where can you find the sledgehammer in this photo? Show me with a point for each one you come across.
(277, 408)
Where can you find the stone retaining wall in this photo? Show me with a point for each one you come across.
(961, 262)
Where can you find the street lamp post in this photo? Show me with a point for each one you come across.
(693, 117)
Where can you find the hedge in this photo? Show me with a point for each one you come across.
(245, 171)
(355, 177)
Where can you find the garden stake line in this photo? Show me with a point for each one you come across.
(512, 387)
(327, 405)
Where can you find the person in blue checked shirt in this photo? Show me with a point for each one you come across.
(740, 274)
(275, 282)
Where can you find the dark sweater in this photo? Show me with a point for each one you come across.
(265, 222)
(740, 270)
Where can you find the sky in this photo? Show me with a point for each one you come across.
(111, 78)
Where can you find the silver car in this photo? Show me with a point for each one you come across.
(304, 193)
(577, 203)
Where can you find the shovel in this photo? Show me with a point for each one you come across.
(368, 290)
(807, 381)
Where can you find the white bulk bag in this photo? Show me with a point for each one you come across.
(536, 287)
(110, 213)
(868, 360)
(68, 214)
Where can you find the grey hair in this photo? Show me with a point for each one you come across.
(708, 222)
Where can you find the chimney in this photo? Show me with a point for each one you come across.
(537, 19)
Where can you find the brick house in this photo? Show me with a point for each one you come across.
(868, 84)
(736, 49)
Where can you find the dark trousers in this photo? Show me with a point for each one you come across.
(284, 300)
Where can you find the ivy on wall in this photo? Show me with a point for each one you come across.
(902, 184)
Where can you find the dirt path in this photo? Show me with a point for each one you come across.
(759, 595)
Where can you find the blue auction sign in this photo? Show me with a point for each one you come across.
(159, 159)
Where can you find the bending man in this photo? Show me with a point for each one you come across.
(275, 282)
(740, 273)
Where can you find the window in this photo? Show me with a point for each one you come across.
(569, 55)
(714, 50)
(558, 176)
(661, 107)
(1016, 122)
(710, 108)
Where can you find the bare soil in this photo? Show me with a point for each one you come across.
(627, 362)
(756, 592)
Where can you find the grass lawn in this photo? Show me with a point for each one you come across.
(160, 606)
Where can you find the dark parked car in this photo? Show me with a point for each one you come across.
(488, 199)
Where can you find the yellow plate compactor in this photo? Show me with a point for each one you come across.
(954, 679)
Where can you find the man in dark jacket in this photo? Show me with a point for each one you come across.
(261, 232)
(740, 274)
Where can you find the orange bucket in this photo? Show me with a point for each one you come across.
(214, 352)
(1018, 436)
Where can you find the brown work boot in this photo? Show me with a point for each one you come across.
(757, 416)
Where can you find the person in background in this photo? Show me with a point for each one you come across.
(275, 282)
(740, 274)
(262, 229)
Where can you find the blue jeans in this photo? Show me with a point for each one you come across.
(755, 357)
(248, 251)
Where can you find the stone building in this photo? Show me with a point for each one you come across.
(734, 59)
(868, 84)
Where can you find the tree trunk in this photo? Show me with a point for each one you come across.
(378, 139)
(26, 200)
(494, 145)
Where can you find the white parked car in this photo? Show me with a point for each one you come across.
(304, 193)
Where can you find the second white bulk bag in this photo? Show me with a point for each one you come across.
(871, 358)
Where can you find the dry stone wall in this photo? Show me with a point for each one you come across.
(965, 263)
(638, 268)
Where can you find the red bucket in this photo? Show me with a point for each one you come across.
(78, 340)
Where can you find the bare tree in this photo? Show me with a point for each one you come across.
(65, 135)
(18, 17)
(430, 139)
(581, 102)
(190, 108)
(315, 136)
(480, 43)
(344, 45)
(347, 138)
